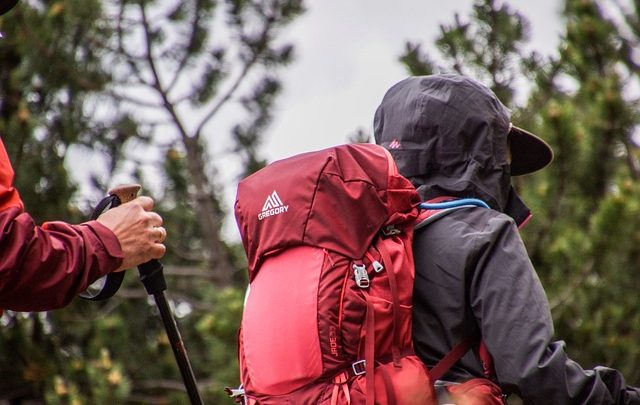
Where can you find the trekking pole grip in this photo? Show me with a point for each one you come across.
(151, 274)
(126, 192)
(106, 286)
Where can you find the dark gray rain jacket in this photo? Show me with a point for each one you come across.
(473, 274)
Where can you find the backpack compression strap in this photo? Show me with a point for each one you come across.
(456, 354)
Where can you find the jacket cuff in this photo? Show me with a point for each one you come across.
(109, 241)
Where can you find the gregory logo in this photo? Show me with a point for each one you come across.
(273, 206)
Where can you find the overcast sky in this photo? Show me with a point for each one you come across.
(347, 57)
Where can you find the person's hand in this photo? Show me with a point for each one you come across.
(138, 229)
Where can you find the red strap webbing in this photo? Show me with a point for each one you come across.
(393, 287)
(369, 352)
(486, 360)
(450, 359)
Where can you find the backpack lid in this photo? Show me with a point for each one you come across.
(337, 199)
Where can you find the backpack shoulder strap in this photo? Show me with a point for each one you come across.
(433, 210)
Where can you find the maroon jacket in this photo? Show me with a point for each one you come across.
(44, 267)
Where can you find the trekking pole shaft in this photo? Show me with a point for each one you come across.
(179, 350)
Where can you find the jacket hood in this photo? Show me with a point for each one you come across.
(448, 135)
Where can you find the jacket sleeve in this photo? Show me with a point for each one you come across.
(512, 310)
(45, 267)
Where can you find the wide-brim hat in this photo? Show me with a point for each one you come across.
(6, 5)
(529, 153)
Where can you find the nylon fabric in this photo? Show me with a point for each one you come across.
(285, 293)
(9, 196)
(336, 201)
(462, 153)
(333, 180)
(340, 387)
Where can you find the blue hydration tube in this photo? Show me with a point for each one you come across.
(464, 202)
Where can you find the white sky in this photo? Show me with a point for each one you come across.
(347, 57)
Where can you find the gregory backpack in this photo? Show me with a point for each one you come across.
(327, 317)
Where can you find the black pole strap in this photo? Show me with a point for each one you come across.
(106, 286)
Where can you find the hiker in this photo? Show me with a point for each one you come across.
(452, 137)
(45, 267)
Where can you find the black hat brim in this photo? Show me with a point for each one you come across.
(529, 153)
(6, 5)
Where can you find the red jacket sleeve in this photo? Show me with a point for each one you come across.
(45, 267)
(9, 196)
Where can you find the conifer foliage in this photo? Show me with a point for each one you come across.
(160, 92)
(157, 92)
(583, 100)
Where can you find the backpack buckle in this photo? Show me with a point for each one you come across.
(359, 367)
(234, 392)
(361, 275)
(390, 230)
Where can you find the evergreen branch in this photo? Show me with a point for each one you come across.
(227, 96)
(129, 58)
(137, 101)
(632, 161)
(157, 83)
(195, 24)
(255, 57)
(187, 271)
(567, 295)
(175, 385)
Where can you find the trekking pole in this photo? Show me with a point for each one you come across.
(152, 278)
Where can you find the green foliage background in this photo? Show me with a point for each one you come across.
(107, 76)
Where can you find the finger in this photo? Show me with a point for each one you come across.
(158, 250)
(145, 202)
(162, 234)
(154, 219)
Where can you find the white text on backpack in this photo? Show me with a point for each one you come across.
(272, 206)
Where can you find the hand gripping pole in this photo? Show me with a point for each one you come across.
(105, 287)
(152, 278)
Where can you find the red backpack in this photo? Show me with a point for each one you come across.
(327, 316)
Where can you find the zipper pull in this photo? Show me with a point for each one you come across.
(361, 276)
(377, 266)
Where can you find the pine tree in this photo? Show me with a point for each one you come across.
(583, 241)
(187, 74)
(588, 238)
(50, 71)
(138, 84)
